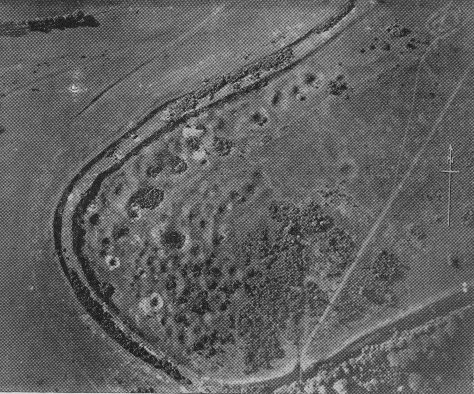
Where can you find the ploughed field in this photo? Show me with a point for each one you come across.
(250, 231)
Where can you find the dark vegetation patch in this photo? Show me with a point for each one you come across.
(414, 42)
(309, 78)
(261, 303)
(222, 146)
(192, 143)
(385, 270)
(411, 45)
(120, 232)
(249, 188)
(258, 118)
(386, 266)
(396, 30)
(171, 282)
(177, 165)
(194, 250)
(147, 197)
(337, 86)
(220, 124)
(173, 239)
(373, 286)
(159, 164)
(455, 261)
(61, 22)
(13, 29)
(103, 251)
(310, 219)
(166, 161)
(94, 219)
(2, 129)
(217, 239)
(111, 152)
(236, 196)
(118, 189)
(113, 262)
(339, 250)
(276, 98)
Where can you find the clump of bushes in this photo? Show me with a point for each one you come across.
(61, 22)
(147, 197)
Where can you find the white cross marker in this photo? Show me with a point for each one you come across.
(449, 172)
